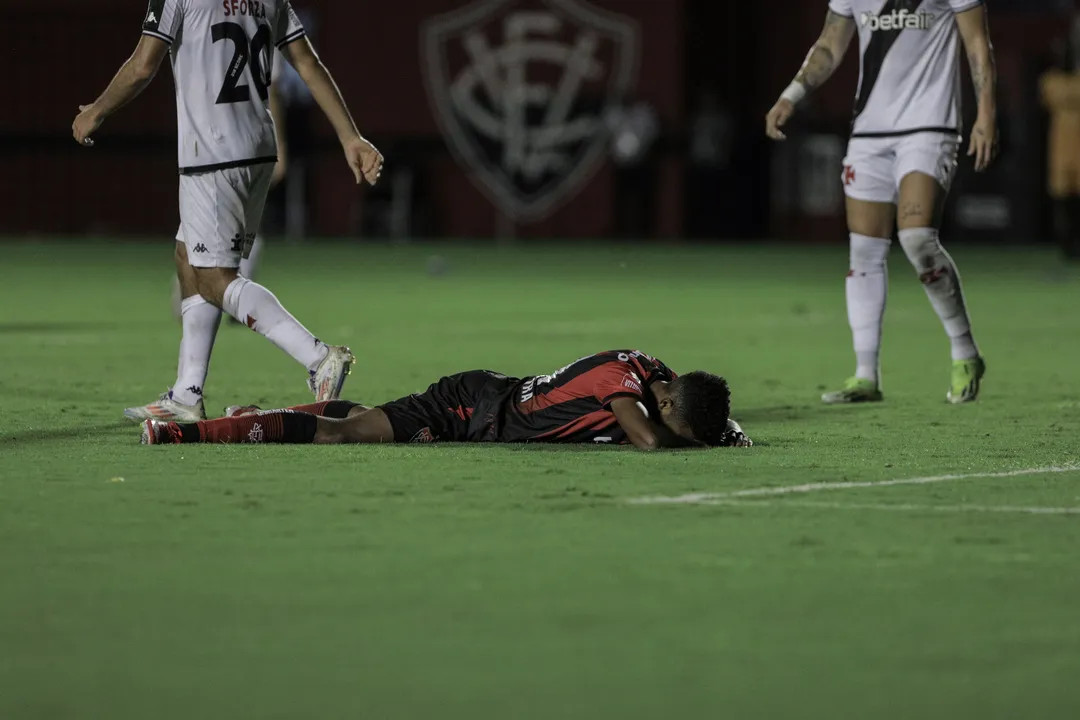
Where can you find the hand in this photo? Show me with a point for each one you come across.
(366, 162)
(779, 115)
(280, 168)
(984, 141)
(86, 124)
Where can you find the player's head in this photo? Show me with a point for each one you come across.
(696, 407)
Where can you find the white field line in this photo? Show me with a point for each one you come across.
(705, 498)
(900, 507)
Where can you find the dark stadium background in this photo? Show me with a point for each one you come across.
(742, 53)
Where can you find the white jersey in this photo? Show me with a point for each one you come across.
(222, 58)
(909, 75)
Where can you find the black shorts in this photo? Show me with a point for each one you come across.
(458, 408)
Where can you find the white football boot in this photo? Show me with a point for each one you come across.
(168, 410)
(326, 381)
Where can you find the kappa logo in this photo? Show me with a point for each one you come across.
(200, 248)
(521, 89)
(151, 18)
(195, 390)
(256, 434)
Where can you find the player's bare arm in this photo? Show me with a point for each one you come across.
(132, 78)
(821, 62)
(365, 161)
(975, 32)
(636, 424)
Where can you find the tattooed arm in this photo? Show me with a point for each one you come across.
(975, 32)
(821, 62)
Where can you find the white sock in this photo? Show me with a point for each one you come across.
(867, 286)
(200, 321)
(942, 283)
(251, 303)
(250, 264)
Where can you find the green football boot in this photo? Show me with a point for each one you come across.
(967, 377)
(855, 391)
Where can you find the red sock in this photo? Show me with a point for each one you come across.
(281, 426)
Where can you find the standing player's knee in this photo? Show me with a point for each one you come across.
(212, 283)
(923, 248)
(868, 254)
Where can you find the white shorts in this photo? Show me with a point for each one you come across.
(874, 167)
(220, 213)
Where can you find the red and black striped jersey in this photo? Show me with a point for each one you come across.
(573, 404)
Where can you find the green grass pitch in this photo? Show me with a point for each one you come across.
(518, 582)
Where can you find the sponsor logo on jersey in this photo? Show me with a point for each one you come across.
(630, 382)
(898, 20)
(151, 18)
(849, 175)
(521, 90)
(256, 434)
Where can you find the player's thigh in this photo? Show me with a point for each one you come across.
(869, 187)
(873, 219)
(925, 167)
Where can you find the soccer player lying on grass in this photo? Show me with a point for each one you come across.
(616, 397)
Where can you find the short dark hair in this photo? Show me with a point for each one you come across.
(703, 403)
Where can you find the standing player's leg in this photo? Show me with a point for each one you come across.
(925, 166)
(240, 194)
(200, 321)
(870, 215)
(249, 266)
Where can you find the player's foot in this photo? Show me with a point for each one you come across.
(326, 382)
(167, 409)
(855, 390)
(240, 410)
(967, 377)
(157, 432)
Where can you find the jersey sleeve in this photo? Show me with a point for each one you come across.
(617, 379)
(164, 19)
(959, 6)
(289, 26)
(843, 7)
